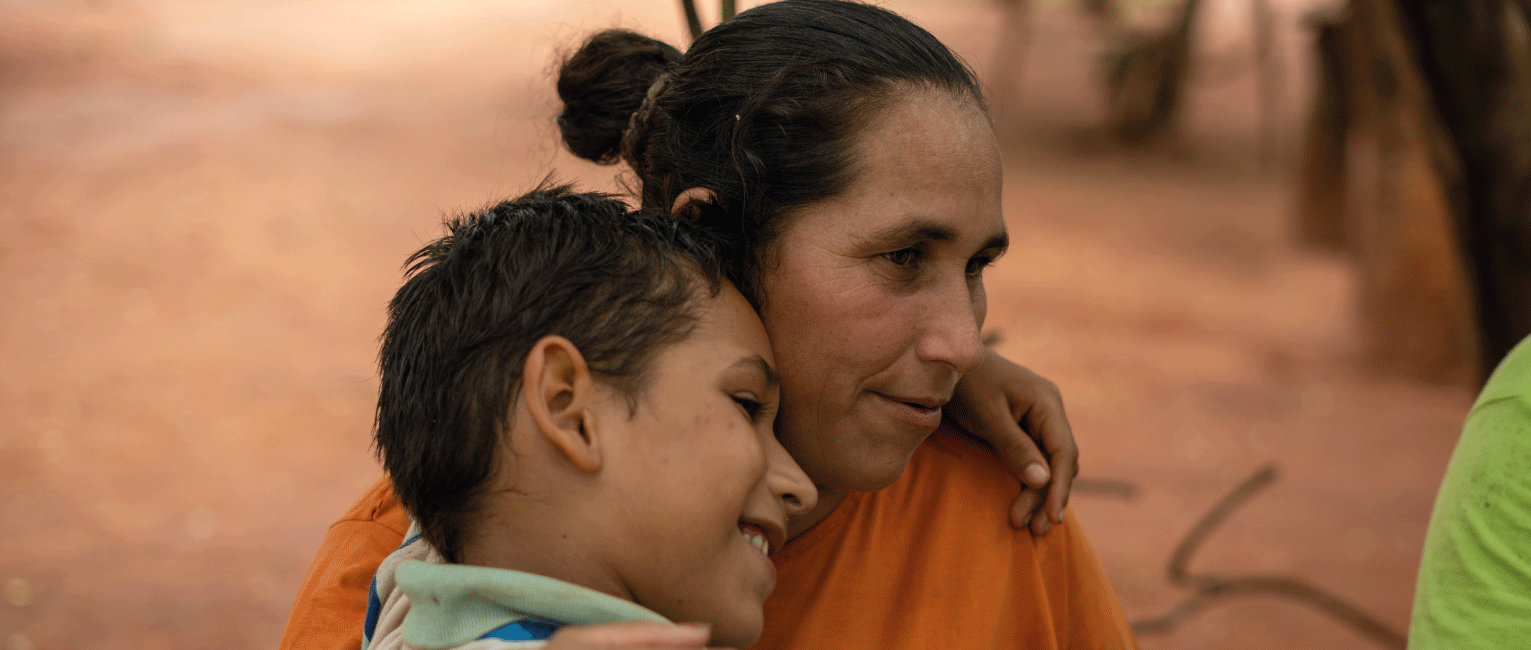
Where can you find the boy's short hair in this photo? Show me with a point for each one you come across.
(620, 285)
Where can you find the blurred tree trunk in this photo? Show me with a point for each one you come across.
(1321, 175)
(693, 20)
(1476, 58)
(1423, 107)
(1009, 63)
(1146, 74)
(1393, 193)
(1267, 77)
(1101, 10)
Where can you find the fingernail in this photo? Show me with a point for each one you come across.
(1036, 475)
(695, 625)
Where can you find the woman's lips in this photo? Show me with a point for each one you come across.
(920, 412)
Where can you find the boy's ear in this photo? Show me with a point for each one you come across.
(560, 393)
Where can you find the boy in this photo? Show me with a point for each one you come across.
(577, 411)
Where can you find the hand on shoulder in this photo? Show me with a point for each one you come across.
(1020, 414)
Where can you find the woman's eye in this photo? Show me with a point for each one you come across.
(903, 257)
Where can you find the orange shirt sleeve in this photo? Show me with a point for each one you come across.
(332, 603)
(931, 562)
(1093, 616)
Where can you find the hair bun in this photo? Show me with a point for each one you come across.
(602, 84)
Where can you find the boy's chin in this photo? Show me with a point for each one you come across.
(742, 629)
(737, 637)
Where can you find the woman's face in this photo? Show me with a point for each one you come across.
(874, 299)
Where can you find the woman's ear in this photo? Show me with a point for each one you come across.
(560, 392)
(689, 204)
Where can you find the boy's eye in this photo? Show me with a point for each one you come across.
(752, 407)
(979, 263)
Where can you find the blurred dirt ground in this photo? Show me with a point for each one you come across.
(204, 207)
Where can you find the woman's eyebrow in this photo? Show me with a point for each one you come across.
(912, 231)
(762, 366)
(917, 230)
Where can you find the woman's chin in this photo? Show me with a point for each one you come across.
(854, 458)
(871, 473)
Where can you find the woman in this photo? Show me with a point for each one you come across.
(848, 157)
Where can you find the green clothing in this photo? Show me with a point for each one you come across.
(1474, 587)
(452, 604)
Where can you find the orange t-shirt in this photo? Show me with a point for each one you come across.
(332, 603)
(930, 562)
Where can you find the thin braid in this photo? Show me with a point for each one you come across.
(637, 125)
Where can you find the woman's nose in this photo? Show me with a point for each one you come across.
(952, 331)
(787, 481)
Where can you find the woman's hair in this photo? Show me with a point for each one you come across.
(620, 286)
(763, 110)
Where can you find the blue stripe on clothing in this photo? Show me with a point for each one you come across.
(375, 600)
(374, 610)
(523, 631)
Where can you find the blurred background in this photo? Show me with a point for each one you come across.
(1230, 250)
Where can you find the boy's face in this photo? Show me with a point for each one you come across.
(703, 481)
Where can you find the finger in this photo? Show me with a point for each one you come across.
(1051, 428)
(1025, 507)
(1065, 468)
(631, 634)
(1020, 452)
(1040, 524)
(1031, 467)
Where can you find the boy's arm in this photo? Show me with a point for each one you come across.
(332, 603)
(1020, 414)
(630, 634)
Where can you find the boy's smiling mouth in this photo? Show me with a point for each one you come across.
(756, 536)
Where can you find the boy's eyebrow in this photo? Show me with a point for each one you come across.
(765, 369)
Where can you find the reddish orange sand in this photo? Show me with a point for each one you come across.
(204, 207)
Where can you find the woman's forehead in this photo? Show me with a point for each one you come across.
(928, 167)
(927, 122)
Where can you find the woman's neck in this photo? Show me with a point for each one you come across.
(829, 499)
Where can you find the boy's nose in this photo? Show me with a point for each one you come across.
(787, 481)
